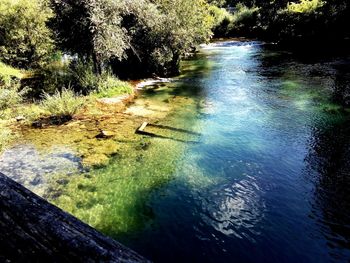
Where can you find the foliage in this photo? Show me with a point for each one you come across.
(10, 97)
(218, 3)
(97, 29)
(304, 6)
(25, 40)
(109, 86)
(5, 137)
(8, 73)
(291, 22)
(83, 77)
(64, 103)
(54, 76)
(222, 20)
(244, 18)
(243, 13)
(153, 34)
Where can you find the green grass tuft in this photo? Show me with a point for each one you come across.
(110, 86)
(64, 103)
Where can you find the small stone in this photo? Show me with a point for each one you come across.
(104, 135)
(20, 118)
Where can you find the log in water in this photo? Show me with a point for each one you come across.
(33, 230)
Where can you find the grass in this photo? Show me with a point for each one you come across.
(64, 103)
(110, 86)
(10, 98)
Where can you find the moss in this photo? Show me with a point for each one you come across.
(95, 160)
(122, 170)
(332, 108)
(123, 188)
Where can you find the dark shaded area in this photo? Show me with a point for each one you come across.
(52, 120)
(32, 230)
(329, 167)
(314, 30)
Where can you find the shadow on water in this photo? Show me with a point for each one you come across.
(174, 129)
(329, 168)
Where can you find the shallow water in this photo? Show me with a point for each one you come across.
(251, 163)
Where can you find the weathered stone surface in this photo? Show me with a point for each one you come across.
(32, 230)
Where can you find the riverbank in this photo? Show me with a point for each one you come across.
(94, 117)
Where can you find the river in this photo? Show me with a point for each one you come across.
(253, 164)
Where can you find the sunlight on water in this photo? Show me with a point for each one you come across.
(249, 162)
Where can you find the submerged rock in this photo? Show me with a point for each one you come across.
(96, 160)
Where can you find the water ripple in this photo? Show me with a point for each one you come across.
(236, 209)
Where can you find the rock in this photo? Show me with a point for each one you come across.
(104, 135)
(20, 118)
(116, 100)
(95, 160)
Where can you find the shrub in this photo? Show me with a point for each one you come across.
(11, 97)
(83, 76)
(304, 6)
(243, 13)
(64, 103)
(109, 86)
(222, 20)
(244, 19)
(5, 137)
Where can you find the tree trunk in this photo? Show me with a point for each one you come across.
(97, 64)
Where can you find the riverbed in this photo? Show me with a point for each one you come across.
(249, 162)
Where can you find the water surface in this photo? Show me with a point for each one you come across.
(251, 163)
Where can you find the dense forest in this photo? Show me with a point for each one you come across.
(304, 22)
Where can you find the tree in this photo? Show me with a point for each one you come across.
(167, 30)
(25, 40)
(90, 29)
(152, 34)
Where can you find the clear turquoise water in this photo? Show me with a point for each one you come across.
(261, 175)
(269, 179)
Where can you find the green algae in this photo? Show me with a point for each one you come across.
(113, 198)
(120, 172)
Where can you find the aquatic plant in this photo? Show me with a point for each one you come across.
(64, 103)
(113, 198)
